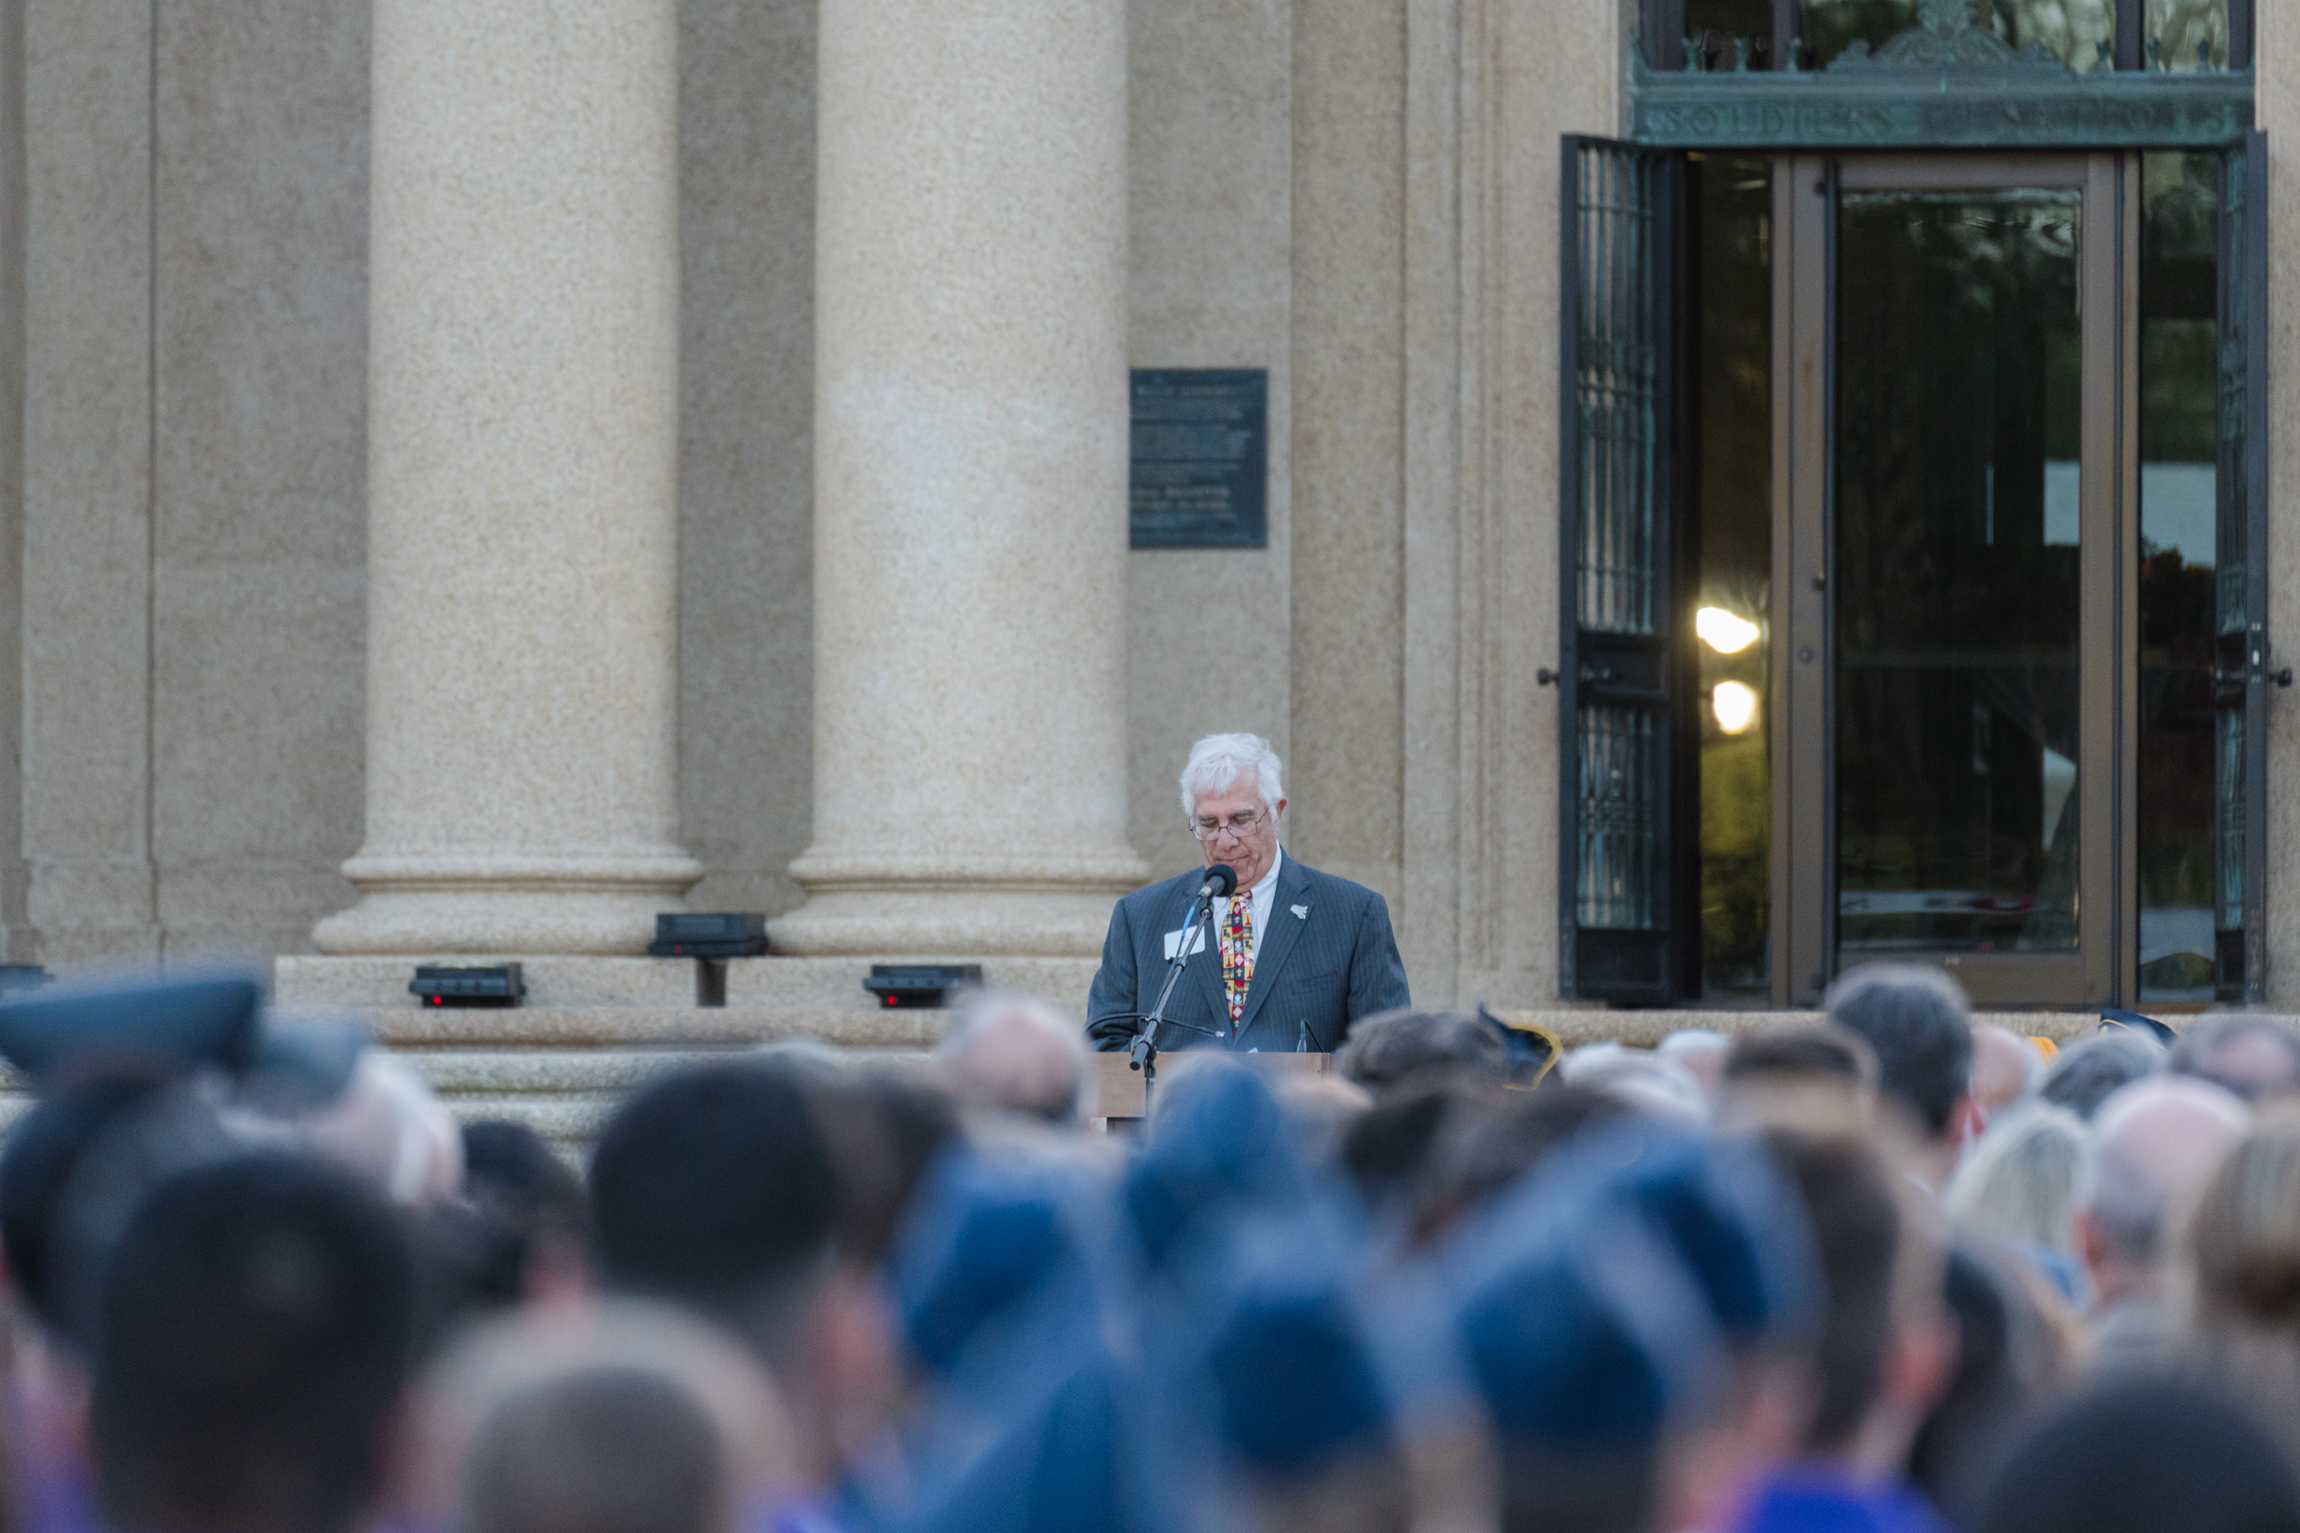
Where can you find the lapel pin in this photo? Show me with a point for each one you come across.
(1301, 912)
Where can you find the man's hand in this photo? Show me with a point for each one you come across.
(1112, 1034)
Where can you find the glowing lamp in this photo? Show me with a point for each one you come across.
(1728, 633)
(1735, 705)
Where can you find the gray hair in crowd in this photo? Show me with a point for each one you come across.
(1015, 1053)
(2148, 1156)
(1701, 1052)
(2087, 1074)
(2027, 1177)
(1639, 1079)
(2255, 1057)
(1391, 1048)
(1692, 1040)
(1218, 761)
(1920, 1024)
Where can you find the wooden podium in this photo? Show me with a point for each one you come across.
(1118, 1090)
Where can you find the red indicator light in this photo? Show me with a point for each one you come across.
(890, 1000)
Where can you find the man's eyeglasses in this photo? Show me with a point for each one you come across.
(1239, 825)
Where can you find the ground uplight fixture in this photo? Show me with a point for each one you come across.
(903, 985)
(1725, 631)
(495, 984)
(713, 934)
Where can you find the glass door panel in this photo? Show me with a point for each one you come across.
(1959, 516)
(1954, 530)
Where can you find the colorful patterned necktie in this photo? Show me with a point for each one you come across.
(1238, 954)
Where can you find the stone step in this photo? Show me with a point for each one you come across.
(548, 1071)
(552, 982)
(812, 986)
(571, 1116)
(643, 1026)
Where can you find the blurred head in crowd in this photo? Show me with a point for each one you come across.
(2256, 1058)
(2086, 1074)
(2141, 1452)
(1002, 1052)
(256, 1331)
(1218, 1148)
(1678, 1271)
(621, 1419)
(2006, 1068)
(2154, 1145)
(1387, 1151)
(1496, 1143)
(1393, 1049)
(2008, 1358)
(1303, 1426)
(1322, 1108)
(388, 1128)
(2022, 1185)
(886, 1126)
(1701, 1052)
(1590, 1360)
(2238, 1270)
(1917, 1021)
(1821, 1078)
(519, 1233)
(991, 1278)
(513, 1179)
(1639, 1079)
(74, 1172)
(1884, 1351)
(718, 1190)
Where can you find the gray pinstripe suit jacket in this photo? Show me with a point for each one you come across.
(1334, 962)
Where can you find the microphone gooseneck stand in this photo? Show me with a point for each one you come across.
(1142, 1054)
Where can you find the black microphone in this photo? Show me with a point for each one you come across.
(1221, 878)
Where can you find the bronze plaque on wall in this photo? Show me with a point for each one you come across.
(1201, 453)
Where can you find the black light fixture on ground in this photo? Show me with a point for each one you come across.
(716, 934)
(477, 985)
(922, 985)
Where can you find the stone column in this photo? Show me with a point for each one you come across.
(970, 480)
(522, 481)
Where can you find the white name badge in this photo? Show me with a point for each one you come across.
(1174, 941)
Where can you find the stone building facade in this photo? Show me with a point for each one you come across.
(475, 473)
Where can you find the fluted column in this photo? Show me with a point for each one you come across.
(970, 479)
(522, 480)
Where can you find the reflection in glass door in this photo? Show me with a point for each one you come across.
(1954, 541)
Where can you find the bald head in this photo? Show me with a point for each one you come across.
(2155, 1143)
(2005, 1068)
(1012, 1053)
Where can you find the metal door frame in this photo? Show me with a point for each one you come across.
(1806, 190)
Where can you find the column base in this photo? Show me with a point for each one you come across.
(958, 908)
(416, 905)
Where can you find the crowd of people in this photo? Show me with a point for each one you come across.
(1891, 1271)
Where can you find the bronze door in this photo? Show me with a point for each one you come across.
(1951, 473)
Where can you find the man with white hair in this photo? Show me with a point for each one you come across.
(1007, 1053)
(1295, 955)
(2154, 1145)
